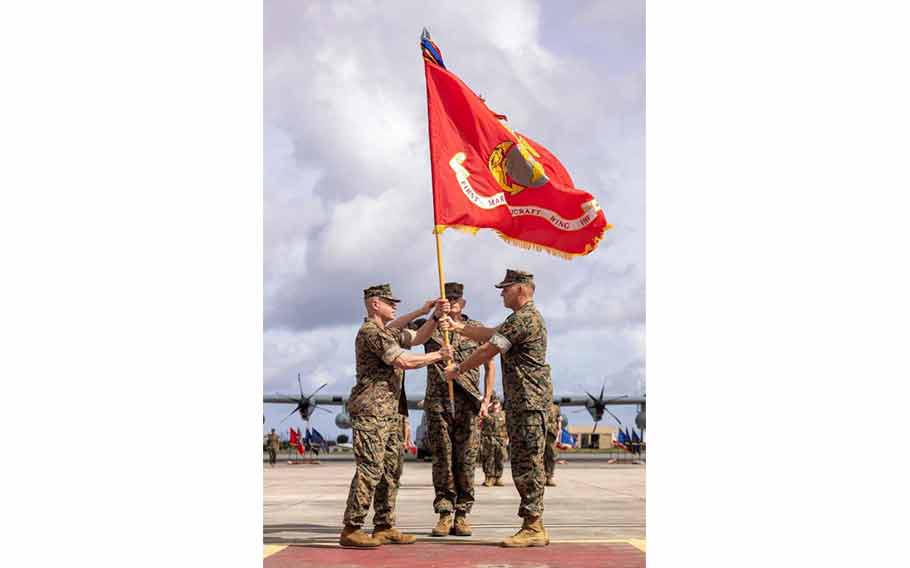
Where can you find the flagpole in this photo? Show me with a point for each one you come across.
(442, 294)
(436, 229)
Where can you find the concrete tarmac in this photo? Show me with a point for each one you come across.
(594, 504)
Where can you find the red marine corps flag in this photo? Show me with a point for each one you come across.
(488, 176)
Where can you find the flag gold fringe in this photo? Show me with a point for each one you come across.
(463, 228)
(589, 248)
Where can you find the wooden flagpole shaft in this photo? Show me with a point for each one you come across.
(436, 231)
(445, 334)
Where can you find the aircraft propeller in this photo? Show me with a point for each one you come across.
(599, 406)
(304, 406)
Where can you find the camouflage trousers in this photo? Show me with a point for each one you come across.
(527, 439)
(454, 444)
(378, 455)
(493, 454)
(273, 456)
(551, 454)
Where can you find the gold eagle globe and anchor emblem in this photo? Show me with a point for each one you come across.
(514, 167)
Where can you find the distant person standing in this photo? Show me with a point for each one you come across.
(521, 342)
(272, 444)
(554, 426)
(494, 438)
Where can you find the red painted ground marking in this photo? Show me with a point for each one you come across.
(421, 555)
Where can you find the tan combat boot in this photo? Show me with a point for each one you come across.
(551, 482)
(532, 533)
(488, 482)
(462, 526)
(386, 534)
(497, 481)
(443, 525)
(354, 537)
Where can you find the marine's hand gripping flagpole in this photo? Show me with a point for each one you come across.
(445, 334)
(430, 50)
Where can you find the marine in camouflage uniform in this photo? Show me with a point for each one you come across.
(494, 438)
(454, 440)
(552, 453)
(273, 445)
(376, 404)
(521, 341)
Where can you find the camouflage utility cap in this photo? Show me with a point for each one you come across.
(380, 291)
(454, 290)
(516, 277)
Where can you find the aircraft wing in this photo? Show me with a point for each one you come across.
(280, 398)
(575, 400)
(324, 399)
(331, 399)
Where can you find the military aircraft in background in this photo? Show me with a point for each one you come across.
(596, 406)
(305, 405)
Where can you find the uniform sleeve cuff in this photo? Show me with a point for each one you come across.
(391, 354)
(407, 337)
(500, 341)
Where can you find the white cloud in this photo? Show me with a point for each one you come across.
(320, 355)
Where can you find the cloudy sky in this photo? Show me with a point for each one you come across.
(347, 181)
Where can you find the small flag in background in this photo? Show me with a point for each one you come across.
(296, 441)
(294, 437)
(566, 440)
(620, 441)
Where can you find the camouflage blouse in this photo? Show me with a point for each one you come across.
(437, 393)
(379, 390)
(522, 341)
